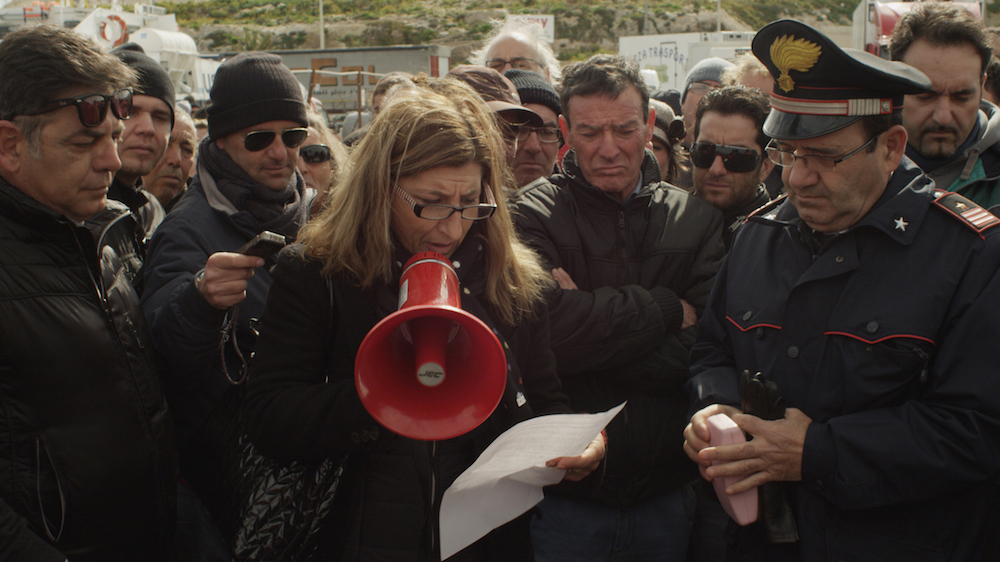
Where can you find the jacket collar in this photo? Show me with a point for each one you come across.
(650, 173)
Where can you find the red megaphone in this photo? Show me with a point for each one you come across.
(430, 371)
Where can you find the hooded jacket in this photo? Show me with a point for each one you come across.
(88, 469)
(976, 173)
(618, 338)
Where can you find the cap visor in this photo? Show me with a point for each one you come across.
(516, 114)
(793, 126)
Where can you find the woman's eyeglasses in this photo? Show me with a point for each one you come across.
(736, 159)
(255, 141)
(91, 109)
(438, 211)
(315, 153)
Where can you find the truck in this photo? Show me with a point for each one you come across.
(149, 26)
(874, 21)
(672, 55)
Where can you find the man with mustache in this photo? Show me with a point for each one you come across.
(953, 135)
(145, 138)
(851, 332)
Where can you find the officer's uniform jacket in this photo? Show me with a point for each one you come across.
(888, 338)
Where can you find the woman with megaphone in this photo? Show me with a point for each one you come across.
(414, 263)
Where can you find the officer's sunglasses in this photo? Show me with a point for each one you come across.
(736, 159)
(93, 108)
(255, 141)
(315, 153)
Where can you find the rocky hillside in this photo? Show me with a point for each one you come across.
(583, 27)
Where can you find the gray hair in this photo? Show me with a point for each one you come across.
(531, 33)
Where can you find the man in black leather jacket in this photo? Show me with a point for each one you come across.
(635, 259)
(88, 470)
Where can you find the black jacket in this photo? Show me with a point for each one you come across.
(187, 330)
(886, 337)
(302, 404)
(618, 338)
(87, 463)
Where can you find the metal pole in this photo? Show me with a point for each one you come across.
(322, 32)
(361, 100)
(718, 15)
(645, 14)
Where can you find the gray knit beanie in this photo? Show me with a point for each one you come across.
(708, 69)
(534, 88)
(253, 88)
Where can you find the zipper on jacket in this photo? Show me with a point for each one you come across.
(622, 250)
(39, 447)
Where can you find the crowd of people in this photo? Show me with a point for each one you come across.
(804, 240)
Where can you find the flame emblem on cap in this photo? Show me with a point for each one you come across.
(789, 53)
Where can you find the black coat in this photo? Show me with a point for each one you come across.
(86, 445)
(302, 404)
(618, 338)
(887, 338)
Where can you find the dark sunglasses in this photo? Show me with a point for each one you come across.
(315, 153)
(736, 159)
(255, 141)
(93, 108)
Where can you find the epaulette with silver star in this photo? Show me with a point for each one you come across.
(968, 212)
(768, 210)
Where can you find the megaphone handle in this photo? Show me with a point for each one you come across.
(430, 339)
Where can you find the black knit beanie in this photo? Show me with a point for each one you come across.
(253, 88)
(534, 88)
(154, 80)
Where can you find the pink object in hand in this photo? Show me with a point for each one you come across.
(741, 507)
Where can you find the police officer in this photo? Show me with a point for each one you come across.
(877, 329)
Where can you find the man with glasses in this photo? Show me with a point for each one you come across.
(867, 302)
(500, 96)
(537, 147)
(728, 153)
(145, 137)
(88, 465)
(202, 298)
(634, 259)
(521, 45)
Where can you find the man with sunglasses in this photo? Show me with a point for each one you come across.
(867, 301)
(537, 147)
(728, 153)
(145, 137)
(88, 468)
(202, 298)
(634, 259)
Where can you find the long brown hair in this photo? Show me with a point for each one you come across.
(442, 122)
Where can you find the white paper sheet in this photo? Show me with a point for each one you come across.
(507, 478)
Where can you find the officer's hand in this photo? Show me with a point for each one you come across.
(774, 454)
(224, 282)
(696, 434)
